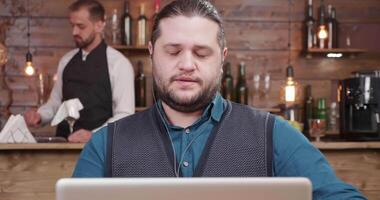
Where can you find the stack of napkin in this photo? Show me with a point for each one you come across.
(16, 131)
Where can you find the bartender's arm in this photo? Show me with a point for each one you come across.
(47, 111)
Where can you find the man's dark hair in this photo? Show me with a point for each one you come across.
(96, 10)
(189, 8)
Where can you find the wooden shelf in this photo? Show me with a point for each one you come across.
(344, 52)
(139, 109)
(130, 48)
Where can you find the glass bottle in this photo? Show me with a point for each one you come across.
(332, 27)
(227, 83)
(127, 26)
(140, 86)
(241, 86)
(115, 27)
(309, 24)
(142, 27)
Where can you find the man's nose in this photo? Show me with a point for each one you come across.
(187, 62)
(75, 31)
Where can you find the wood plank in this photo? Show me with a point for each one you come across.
(44, 31)
(277, 10)
(346, 145)
(356, 167)
(33, 174)
(42, 146)
(262, 35)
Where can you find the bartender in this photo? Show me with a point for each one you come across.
(100, 76)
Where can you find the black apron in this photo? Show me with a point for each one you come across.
(89, 81)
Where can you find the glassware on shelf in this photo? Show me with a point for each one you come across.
(115, 28)
(256, 86)
(266, 85)
(317, 128)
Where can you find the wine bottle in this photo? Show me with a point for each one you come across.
(127, 26)
(227, 83)
(241, 86)
(332, 27)
(142, 27)
(310, 26)
(140, 86)
(308, 112)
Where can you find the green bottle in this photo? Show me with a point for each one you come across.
(241, 86)
(321, 109)
(227, 83)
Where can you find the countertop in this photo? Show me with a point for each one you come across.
(79, 146)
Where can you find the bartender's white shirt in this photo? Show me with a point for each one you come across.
(122, 85)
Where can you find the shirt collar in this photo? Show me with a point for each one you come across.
(214, 110)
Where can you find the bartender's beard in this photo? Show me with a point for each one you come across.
(198, 102)
(83, 43)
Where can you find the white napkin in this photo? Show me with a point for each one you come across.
(69, 108)
(16, 131)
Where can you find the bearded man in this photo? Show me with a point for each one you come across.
(100, 76)
(192, 131)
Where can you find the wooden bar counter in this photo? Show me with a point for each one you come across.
(30, 171)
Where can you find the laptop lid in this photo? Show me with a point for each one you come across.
(183, 189)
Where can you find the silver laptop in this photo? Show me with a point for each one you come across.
(183, 189)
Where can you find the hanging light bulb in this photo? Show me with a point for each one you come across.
(290, 86)
(322, 33)
(29, 69)
(322, 28)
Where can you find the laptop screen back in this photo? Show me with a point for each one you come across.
(183, 189)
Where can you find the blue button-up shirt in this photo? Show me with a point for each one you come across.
(293, 154)
(189, 142)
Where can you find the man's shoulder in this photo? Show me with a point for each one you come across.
(115, 54)
(70, 54)
(245, 109)
(143, 117)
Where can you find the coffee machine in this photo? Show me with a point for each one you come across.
(360, 106)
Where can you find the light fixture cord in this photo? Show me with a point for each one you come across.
(289, 31)
(28, 34)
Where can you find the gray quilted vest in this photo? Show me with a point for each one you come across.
(239, 146)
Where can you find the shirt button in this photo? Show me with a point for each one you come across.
(185, 164)
(187, 131)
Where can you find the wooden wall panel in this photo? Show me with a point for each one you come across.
(357, 168)
(277, 10)
(256, 32)
(261, 36)
(33, 175)
(44, 32)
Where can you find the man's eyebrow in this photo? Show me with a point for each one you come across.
(202, 47)
(172, 45)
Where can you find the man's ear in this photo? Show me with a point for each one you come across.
(99, 26)
(225, 52)
(150, 48)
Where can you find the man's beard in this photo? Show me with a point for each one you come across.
(83, 43)
(195, 103)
